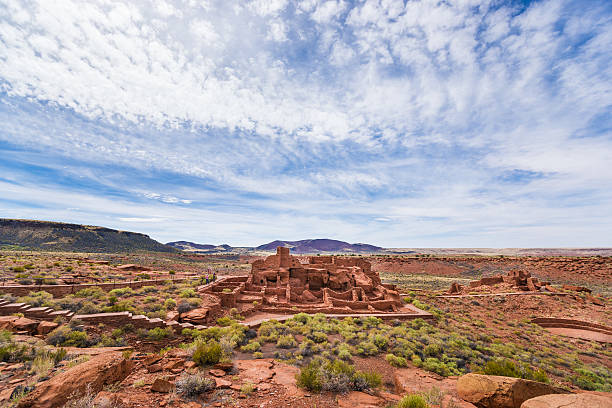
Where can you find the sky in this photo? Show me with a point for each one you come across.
(458, 123)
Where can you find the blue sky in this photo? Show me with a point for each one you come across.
(400, 123)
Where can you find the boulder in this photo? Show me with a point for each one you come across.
(45, 327)
(569, 401)
(492, 391)
(220, 383)
(215, 372)
(195, 316)
(101, 370)
(161, 385)
(23, 324)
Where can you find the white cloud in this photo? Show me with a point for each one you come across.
(405, 110)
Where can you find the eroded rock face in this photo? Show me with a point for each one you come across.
(101, 370)
(45, 327)
(491, 391)
(569, 401)
(18, 324)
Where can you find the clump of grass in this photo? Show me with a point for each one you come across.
(207, 352)
(335, 376)
(412, 401)
(247, 388)
(192, 385)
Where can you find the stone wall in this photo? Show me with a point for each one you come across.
(59, 291)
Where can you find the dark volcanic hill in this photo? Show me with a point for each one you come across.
(59, 236)
(308, 246)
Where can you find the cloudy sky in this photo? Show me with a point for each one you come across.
(402, 123)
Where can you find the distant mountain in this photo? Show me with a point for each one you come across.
(306, 246)
(59, 236)
(309, 246)
(193, 247)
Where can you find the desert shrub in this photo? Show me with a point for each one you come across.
(258, 354)
(158, 333)
(367, 348)
(38, 299)
(380, 341)
(121, 306)
(251, 347)
(207, 352)
(170, 304)
(149, 289)
(188, 293)
(509, 368)
(412, 401)
(11, 352)
(309, 377)
(286, 341)
(121, 292)
(318, 337)
(184, 307)
(247, 388)
(343, 351)
(433, 350)
(94, 293)
(396, 361)
(192, 385)
(224, 321)
(366, 380)
(588, 380)
(89, 308)
(335, 376)
(64, 336)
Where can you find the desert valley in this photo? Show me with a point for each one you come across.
(261, 328)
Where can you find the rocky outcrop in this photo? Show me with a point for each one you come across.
(195, 316)
(491, 391)
(101, 370)
(569, 401)
(18, 324)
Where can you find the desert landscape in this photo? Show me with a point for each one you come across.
(177, 328)
(305, 203)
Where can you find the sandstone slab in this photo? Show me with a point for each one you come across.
(255, 371)
(45, 327)
(101, 370)
(491, 391)
(569, 401)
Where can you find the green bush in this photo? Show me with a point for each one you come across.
(158, 333)
(188, 293)
(509, 368)
(94, 293)
(207, 352)
(170, 304)
(335, 376)
(309, 377)
(251, 347)
(366, 380)
(396, 361)
(286, 341)
(412, 401)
